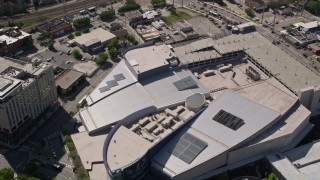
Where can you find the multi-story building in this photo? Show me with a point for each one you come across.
(27, 96)
(12, 39)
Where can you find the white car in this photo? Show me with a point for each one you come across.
(255, 19)
(68, 62)
(175, 32)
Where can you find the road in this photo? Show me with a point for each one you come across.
(72, 8)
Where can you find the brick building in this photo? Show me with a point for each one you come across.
(56, 27)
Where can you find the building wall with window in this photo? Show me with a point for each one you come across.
(25, 98)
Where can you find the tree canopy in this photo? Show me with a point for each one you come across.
(250, 12)
(6, 174)
(102, 58)
(105, 15)
(82, 22)
(129, 6)
(76, 54)
(313, 7)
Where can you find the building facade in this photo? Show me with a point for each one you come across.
(56, 27)
(12, 40)
(27, 93)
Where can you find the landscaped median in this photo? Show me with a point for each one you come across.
(73, 154)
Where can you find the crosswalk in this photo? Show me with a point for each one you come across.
(53, 135)
(24, 148)
(67, 165)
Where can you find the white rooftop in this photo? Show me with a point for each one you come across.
(98, 33)
(308, 25)
(121, 68)
(132, 99)
(126, 103)
(219, 137)
(300, 163)
(148, 58)
(89, 148)
(11, 40)
(123, 140)
(164, 93)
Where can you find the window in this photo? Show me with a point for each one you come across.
(188, 148)
(229, 120)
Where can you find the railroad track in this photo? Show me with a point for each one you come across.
(72, 8)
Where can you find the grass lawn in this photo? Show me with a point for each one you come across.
(175, 17)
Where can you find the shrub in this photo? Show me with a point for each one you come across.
(78, 33)
(112, 52)
(250, 12)
(102, 58)
(51, 46)
(70, 36)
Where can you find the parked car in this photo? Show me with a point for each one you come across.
(57, 166)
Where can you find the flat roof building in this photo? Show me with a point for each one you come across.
(12, 40)
(299, 163)
(68, 79)
(195, 123)
(56, 27)
(94, 40)
(27, 90)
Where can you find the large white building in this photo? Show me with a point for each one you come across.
(195, 123)
(27, 91)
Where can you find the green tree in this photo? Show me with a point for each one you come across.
(105, 15)
(6, 174)
(272, 176)
(82, 22)
(77, 33)
(131, 39)
(76, 54)
(158, 2)
(72, 154)
(250, 12)
(44, 36)
(102, 58)
(113, 44)
(51, 46)
(70, 146)
(77, 162)
(71, 113)
(313, 7)
(129, 6)
(70, 36)
(31, 167)
(66, 139)
(112, 52)
(81, 172)
(25, 177)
